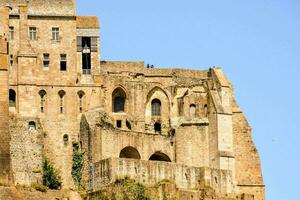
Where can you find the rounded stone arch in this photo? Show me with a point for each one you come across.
(159, 156)
(130, 152)
(119, 99)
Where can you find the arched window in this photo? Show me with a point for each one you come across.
(192, 110)
(12, 98)
(42, 94)
(80, 95)
(119, 98)
(157, 127)
(158, 156)
(130, 152)
(61, 94)
(156, 107)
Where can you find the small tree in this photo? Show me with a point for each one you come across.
(51, 177)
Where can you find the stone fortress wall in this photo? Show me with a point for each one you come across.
(122, 113)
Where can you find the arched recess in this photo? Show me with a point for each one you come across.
(159, 156)
(130, 152)
(12, 98)
(42, 94)
(119, 100)
(61, 95)
(81, 95)
(193, 111)
(158, 98)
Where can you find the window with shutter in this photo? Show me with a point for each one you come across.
(79, 44)
(94, 44)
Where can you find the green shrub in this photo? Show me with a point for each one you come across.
(51, 177)
(77, 164)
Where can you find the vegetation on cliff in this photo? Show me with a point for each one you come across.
(77, 164)
(51, 177)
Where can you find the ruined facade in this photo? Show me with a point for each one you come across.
(130, 120)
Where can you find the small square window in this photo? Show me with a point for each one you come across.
(32, 33)
(63, 62)
(119, 124)
(55, 33)
(46, 60)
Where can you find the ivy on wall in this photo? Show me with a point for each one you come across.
(77, 164)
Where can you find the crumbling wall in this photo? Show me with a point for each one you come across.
(26, 150)
(248, 167)
(150, 173)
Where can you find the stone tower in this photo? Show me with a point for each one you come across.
(5, 162)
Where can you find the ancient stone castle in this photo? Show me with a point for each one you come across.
(131, 120)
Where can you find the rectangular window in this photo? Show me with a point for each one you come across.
(119, 124)
(46, 60)
(63, 62)
(11, 32)
(55, 33)
(32, 33)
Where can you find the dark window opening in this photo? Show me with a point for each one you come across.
(12, 98)
(11, 60)
(80, 95)
(158, 156)
(66, 138)
(130, 152)
(61, 94)
(119, 124)
(31, 125)
(128, 125)
(119, 98)
(86, 55)
(156, 107)
(63, 62)
(42, 94)
(157, 127)
(46, 60)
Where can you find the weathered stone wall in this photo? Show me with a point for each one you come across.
(26, 150)
(192, 140)
(248, 167)
(5, 162)
(43, 7)
(150, 173)
(199, 121)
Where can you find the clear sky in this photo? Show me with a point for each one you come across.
(256, 42)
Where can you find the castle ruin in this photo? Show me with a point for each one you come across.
(149, 124)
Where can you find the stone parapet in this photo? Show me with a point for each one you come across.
(150, 173)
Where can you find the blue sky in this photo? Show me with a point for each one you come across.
(257, 43)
